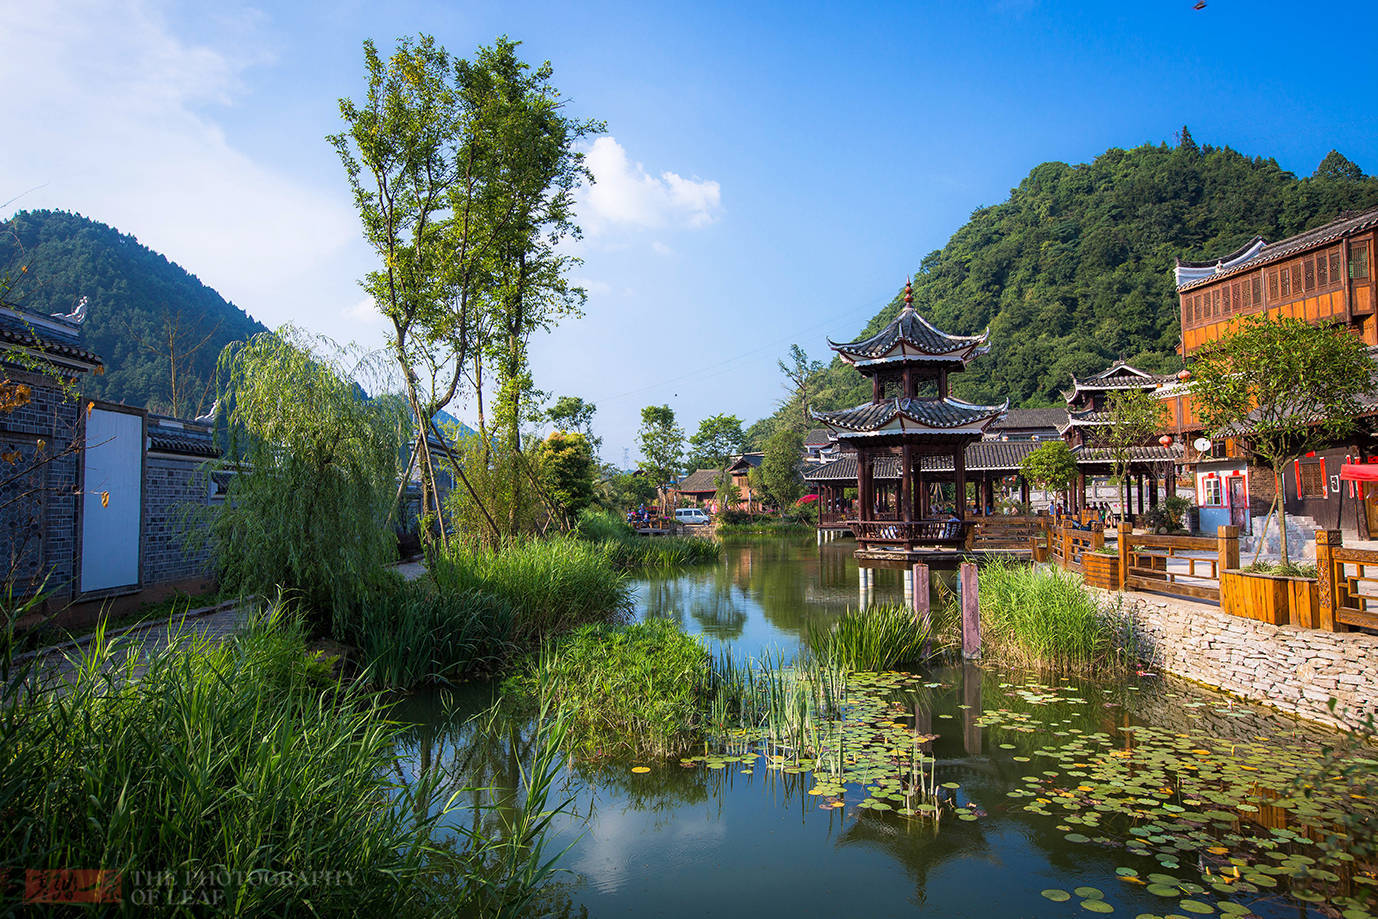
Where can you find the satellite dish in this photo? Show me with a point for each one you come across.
(1202, 444)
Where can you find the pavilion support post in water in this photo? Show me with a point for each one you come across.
(919, 575)
(971, 611)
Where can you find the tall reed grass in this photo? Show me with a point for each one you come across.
(549, 586)
(1045, 618)
(409, 633)
(875, 638)
(217, 767)
(638, 689)
(659, 553)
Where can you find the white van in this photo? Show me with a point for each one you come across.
(694, 516)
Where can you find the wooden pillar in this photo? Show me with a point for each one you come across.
(1327, 541)
(1139, 482)
(1152, 490)
(906, 479)
(971, 611)
(921, 484)
(1227, 548)
(1023, 490)
(908, 382)
(876, 388)
(1122, 539)
(988, 496)
(942, 383)
(959, 465)
(1081, 491)
(864, 484)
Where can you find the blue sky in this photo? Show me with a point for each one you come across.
(770, 174)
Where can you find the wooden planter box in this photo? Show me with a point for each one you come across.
(1101, 571)
(1271, 598)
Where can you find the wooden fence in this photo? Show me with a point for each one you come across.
(1184, 566)
(1068, 544)
(1001, 533)
(1348, 595)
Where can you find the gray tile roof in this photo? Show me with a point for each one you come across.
(818, 437)
(917, 332)
(1024, 418)
(982, 456)
(1344, 225)
(48, 334)
(938, 414)
(700, 481)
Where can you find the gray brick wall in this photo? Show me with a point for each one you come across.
(38, 499)
(174, 528)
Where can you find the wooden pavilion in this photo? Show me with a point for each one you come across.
(912, 421)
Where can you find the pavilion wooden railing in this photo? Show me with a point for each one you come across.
(1000, 533)
(1345, 600)
(1184, 566)
(899, 532)
(1069, 544)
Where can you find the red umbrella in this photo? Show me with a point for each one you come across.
(806, 499)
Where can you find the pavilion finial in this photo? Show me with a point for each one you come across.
(908, 294)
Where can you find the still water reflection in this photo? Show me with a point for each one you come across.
(690, 842)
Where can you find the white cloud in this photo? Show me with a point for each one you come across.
(659, 248)
(116, 124)
(365, 311)
(625, 193)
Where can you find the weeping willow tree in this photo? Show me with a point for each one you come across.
(316, 463)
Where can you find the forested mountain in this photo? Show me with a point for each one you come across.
(1074, 270)
(158, 328)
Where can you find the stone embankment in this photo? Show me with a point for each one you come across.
(1295, 670)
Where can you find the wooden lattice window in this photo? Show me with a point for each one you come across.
(1285, 275)
(1335, 276)
(1322, 274)
(1358, 261)
(1312, 480)
(1215, 303)
(1258, 290)
(1308, 268)
(1228, 296)
(1273, 285)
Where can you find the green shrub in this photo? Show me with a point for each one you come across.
(1290, 570)
(875, 638)
(637, 689)
(767, 527)
(1043, 617)
(596, 525)
(550, 586)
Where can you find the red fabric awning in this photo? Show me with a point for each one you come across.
(1358, 472)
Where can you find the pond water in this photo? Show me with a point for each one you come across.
(1056, 798)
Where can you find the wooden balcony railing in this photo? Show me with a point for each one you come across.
(918, 532)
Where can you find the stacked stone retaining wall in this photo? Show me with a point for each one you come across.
(1292, 669)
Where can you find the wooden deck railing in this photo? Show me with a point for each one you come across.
(1348, 584)
(918, 532)
(1000, 533)
(1185, 566)
(1069, 544)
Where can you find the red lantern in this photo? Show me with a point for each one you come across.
(1165, 440)
(1184, 375)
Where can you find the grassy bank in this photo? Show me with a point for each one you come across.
(627, 551)
(767, 528)
(1045, 618)
(216, 765)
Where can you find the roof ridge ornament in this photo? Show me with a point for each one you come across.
(908, 293)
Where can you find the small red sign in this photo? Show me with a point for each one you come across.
(71, 885)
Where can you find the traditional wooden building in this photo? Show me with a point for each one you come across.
(912, 420)
(1324, 275)
(1088, 415)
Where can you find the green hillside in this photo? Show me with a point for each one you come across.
(145, 313)
(1074, 269)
